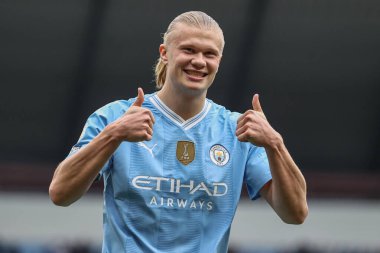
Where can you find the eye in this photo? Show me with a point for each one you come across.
(210, 54)
(188, 50)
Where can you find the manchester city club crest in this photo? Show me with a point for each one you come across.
(185, 152)
(219, 155)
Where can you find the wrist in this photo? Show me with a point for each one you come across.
(275, 142)
(111, 134)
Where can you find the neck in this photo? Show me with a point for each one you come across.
(185, 105)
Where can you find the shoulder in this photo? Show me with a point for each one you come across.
(223, 114)
(113, 109)
(223, 122)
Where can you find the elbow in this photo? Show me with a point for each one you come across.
(58, 197)
(298, 216)
(298, 220)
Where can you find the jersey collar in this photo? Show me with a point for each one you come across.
(178, 120)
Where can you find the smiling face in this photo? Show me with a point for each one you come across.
(192, 56)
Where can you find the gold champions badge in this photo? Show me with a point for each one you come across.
(185, 152)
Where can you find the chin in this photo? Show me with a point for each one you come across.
(197, 85)
(194, 90)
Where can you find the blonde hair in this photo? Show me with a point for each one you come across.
(192, 18)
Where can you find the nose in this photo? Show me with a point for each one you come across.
(198, 60)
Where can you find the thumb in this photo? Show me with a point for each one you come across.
(256, 103)
(140, 98)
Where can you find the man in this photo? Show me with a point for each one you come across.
(174, 162)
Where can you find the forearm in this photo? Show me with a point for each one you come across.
(288, 190)
(74, 176)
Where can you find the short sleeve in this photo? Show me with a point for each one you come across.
(94, 125)
(257, 172)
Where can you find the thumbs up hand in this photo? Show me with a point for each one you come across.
(140, 98)
(136, 124)
(254, 127)
(257, 106)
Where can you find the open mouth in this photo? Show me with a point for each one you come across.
(196, 74)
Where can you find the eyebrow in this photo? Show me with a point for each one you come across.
(191, 45)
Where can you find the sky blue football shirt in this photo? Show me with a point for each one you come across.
(179, 191)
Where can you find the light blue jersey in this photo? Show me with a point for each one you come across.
(179, 191)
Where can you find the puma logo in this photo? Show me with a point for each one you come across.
(142, 144)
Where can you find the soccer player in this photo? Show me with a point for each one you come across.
(174, 162)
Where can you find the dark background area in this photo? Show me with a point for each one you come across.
(316, 65)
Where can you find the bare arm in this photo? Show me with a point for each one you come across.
(74, 176)
(286, 193)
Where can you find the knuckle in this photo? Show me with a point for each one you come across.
(251, 125)
(251, 116)
(146, 111)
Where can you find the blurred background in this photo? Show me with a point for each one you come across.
(315, 64)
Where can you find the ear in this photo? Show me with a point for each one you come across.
(219, 60)
(163, 53)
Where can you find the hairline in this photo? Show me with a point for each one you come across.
(216, 29)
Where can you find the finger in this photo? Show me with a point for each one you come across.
(152, 117)
(240, 125)
(148, 137)
(240, 118)
(256, 103)
(248, 116)
(147, 126)
(150, 123)
(243, 116)
(240, 130)
(149, 131)
(140, 98)
(243, 137)
(245, 128)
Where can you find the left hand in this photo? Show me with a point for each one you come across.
(254, 127)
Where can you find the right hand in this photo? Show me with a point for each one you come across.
(136, 124)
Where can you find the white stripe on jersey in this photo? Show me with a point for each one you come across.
(185, 124)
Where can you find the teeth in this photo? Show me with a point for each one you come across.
(195, 73)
